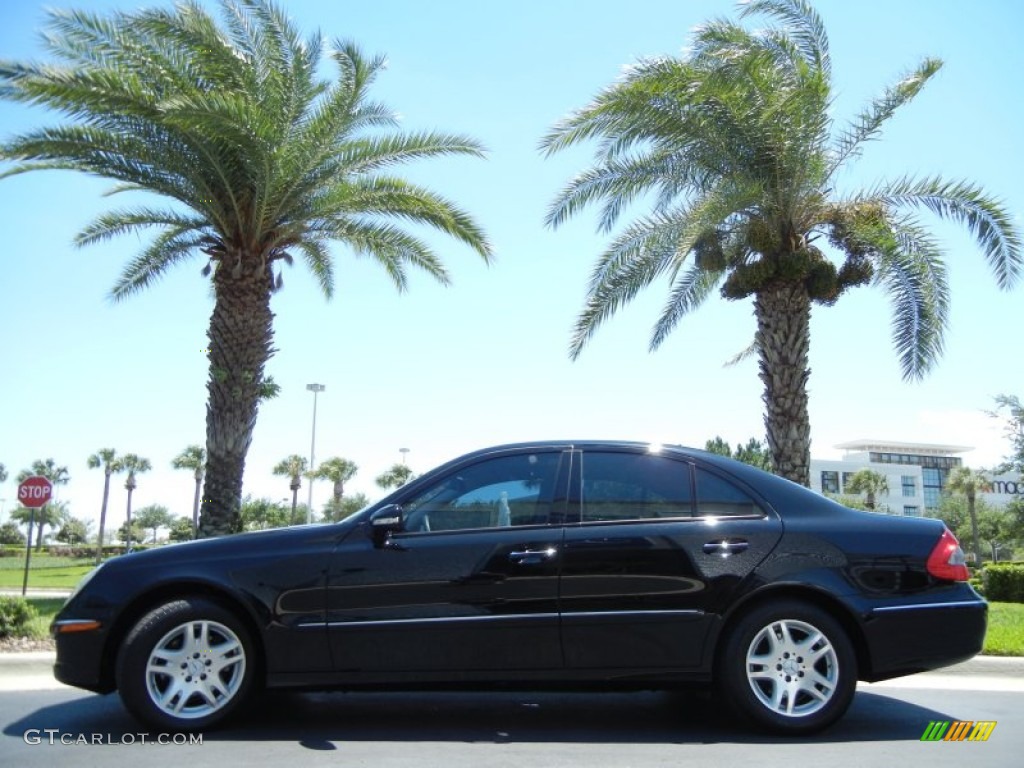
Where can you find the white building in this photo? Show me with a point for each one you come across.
(916, 474)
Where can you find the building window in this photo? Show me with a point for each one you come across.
(932, 486)
(912, 511)
(847, 476)
(830, 482)
(909, 486)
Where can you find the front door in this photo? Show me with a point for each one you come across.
(469, 584)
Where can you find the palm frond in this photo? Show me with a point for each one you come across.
(909, 266)
(803, 26)
(115, 223)
(967, 204)
(868, 124)
(688, 292)
(167, 249)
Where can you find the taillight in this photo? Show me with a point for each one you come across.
(947, 560)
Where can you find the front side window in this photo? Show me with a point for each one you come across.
(493, 493)
(634, 486)
(717, 497)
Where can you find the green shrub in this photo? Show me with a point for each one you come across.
(979, 585)
(15, 616)
(1004, 582)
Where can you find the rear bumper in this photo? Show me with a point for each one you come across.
(904, 639)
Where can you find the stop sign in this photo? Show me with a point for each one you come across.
(35, 491)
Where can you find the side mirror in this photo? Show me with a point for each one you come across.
(384, 522)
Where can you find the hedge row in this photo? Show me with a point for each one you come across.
(1004, 582)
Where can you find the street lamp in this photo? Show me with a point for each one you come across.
(403, 451)
(316, 389)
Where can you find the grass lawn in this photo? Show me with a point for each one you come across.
(1005, 630)
(44, 572)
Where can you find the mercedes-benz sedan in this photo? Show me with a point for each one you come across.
(547, 565)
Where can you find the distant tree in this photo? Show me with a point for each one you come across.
(108, 459)
(10, 534)
(193, 458)
(870, 483)
(181, 529)
(334, 511)
(1014, 432)
(131, 532)
(133, 465)
(3, 473)
(339, 471)
(50, 516)
(718, 446)
(293, 467)
(397, 476)
(154, 517)
(753, 453)
(261, 514)
(58, 476)
(968, 483)
(74, 531)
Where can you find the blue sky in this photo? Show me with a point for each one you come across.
(444, 370)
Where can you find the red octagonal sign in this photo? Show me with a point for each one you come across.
(34, 491)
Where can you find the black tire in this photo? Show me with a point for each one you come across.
(788, 667)
(208, 657)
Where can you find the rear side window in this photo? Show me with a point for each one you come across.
(720, 498)
(634, 486)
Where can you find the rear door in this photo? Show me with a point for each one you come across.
(658, 549)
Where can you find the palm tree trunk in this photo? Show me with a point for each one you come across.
(103, 515)
(240, 337)
(128, 527)
(974, 529)
(195, 506)
(783, 312)
(295, 502)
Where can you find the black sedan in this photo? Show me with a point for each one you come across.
(602, 565)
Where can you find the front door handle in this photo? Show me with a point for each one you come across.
(726, 547)
(532, 556)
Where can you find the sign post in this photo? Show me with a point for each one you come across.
(33, 492)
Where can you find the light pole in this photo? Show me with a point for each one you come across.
(404, 452)
(316, 389)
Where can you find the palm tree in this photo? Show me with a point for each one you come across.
(397, 476)
(52, 514)
(260, 159)
(106, 458)
(339, 471)
(970, 483)
(735, 146)
(870, 483)
(133, 465)
(57, 476)
(193, 458)
(294, 467)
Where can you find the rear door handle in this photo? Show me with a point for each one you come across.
(532, 556)
(726, 547)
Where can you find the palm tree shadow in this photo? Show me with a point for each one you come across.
(321, 720)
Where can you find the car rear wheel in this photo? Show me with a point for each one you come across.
(186, 665)
(789, 667)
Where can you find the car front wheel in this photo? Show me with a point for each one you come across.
(186, 665)
(789, 667)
